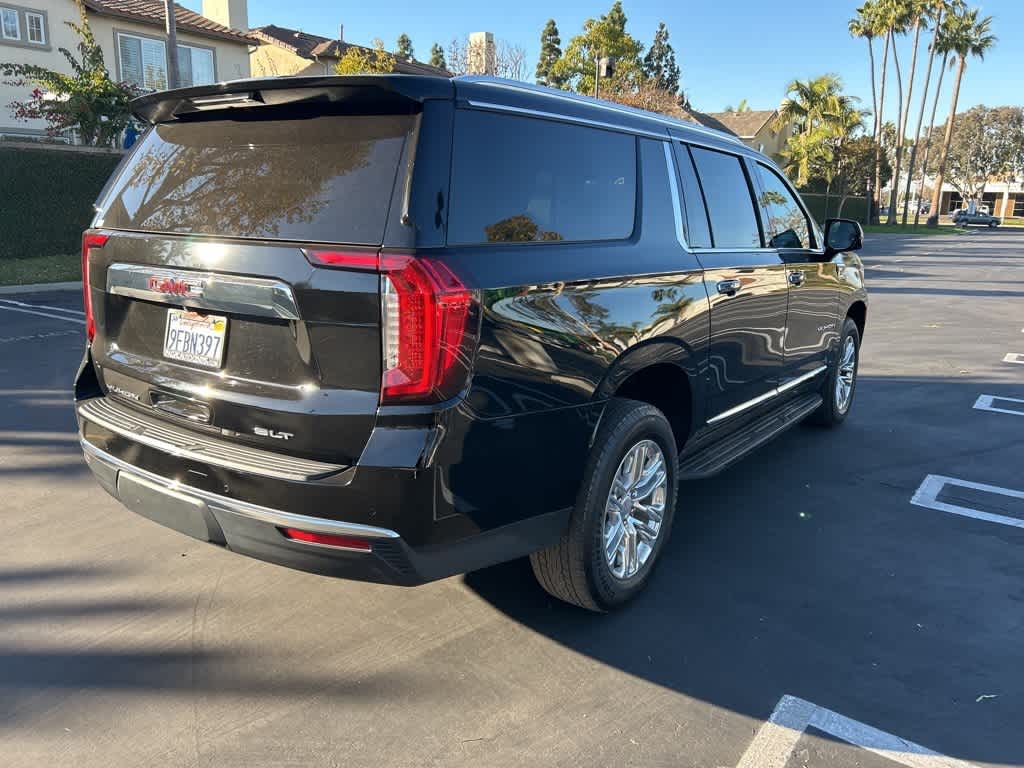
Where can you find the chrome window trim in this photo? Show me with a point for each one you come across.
(776, 391)
(677, 200)
(492, 107)
(221, 293)
(274, 517)
(550, 93)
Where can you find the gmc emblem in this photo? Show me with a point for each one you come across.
(173, 286)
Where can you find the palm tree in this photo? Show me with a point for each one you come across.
(862, 25)
(934, 11)
(916, 12)
(968, 36)
(941, 47)
(868, 23)
(823, 117)
(895, 16)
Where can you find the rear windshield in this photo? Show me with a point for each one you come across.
(326, 178)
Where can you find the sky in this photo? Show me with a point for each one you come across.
(728, 49)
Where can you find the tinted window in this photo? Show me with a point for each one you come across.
(698, 235)
(730, 207)
(518, 179)
(325, 178)
(787, 224)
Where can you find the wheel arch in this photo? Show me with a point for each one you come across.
(858, 312)
(662, 373)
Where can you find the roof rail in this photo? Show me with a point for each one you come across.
(607, 106)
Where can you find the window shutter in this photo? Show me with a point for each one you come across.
(154, 64)
(130, 51)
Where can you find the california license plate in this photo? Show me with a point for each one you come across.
(195, 338)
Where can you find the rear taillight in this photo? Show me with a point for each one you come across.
(90, 240)
(426, 324)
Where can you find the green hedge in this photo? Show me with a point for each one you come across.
(46, 199)
(855, 208)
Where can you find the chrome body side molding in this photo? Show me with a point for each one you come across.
(775, 392)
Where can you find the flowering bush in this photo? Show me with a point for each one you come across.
(86, 100)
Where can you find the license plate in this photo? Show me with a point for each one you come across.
(195, 338)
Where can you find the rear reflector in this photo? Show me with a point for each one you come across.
(327, 540)
(90, 240)
(344, 259)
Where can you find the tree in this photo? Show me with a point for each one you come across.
(660, 61)
(605, 36)
(550, 52)
(824, 119)
(941, 47)
(87, 100)
(864, 25)
(646, 95)
(365, 61)
(403, 47)
(856, 170)
(437, 56)
(933, 11)
(966, 35)
(509, 59)
(987, 144)
(743, 106)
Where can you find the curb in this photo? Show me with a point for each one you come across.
(40, 288)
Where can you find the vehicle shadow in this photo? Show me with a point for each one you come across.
(805, 570)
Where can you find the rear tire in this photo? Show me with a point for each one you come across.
(841, 382)
(611, 514)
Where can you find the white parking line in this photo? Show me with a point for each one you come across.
(984, 403)
(65, 310)
(66, 318)
(927, 496)
(1014, 357)
(777, 738)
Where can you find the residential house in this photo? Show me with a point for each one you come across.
(212, 46)
(286, 51)
(755, 128)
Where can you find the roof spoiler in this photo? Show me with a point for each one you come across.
(380, 91)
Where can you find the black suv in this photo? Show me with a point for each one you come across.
(396, 328)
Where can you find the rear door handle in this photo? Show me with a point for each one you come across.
(796, 278)
(729, 287)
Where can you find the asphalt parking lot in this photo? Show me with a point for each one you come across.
(804, 582)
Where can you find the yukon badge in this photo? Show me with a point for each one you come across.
(264, 432)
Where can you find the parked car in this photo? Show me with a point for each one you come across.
(396, 328)
(963, 218)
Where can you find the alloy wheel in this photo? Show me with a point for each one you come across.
(635, 509)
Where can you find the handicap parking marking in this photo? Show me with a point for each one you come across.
(928, 492)
(1014, 357)
(777, 738)
(986, 403)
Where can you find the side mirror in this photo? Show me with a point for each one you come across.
(843, 235)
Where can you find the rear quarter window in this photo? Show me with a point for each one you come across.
(326, 178)
(519, 179)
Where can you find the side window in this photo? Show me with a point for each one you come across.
(727, 194)
(698, 233)
(787, 224)
(521, 179)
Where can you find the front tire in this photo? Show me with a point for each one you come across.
(841, 382)
(623, 513)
